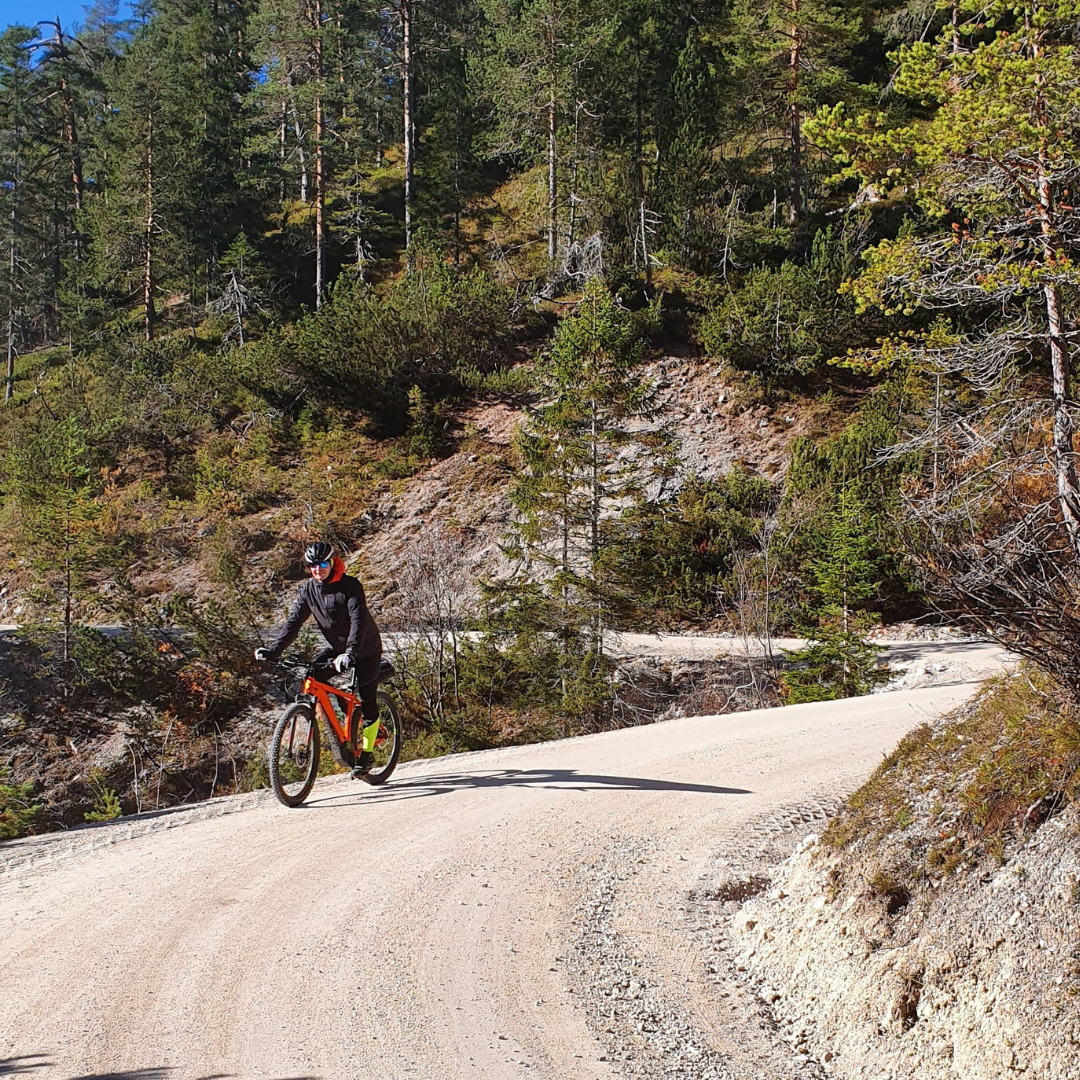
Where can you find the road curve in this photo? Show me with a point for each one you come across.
(413, 931)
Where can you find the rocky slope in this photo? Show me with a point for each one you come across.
(975, 975)
(464, 495)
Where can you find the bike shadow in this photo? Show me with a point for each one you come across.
(546, 779)
(27, 1063)
(24, 1063)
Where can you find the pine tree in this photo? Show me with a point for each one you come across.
(17, 810)
(19, 150)
(995, 167)
(321, 61)
(591, 448)
(50, 478)
(839, 661)
(536, 66)
(686, 168)
(789, 57)
(244, 288)
(447, 161)
(156, 217)
(207, 44)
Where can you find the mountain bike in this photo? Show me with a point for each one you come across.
(294, 746)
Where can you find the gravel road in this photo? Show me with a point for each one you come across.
(523, 912)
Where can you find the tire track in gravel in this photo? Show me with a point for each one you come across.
(648, 1031)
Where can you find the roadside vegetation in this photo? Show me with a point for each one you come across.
(966, 791)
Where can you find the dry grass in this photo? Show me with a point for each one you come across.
(971, 786)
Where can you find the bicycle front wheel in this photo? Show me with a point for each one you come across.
(387, 742)
(294, 754)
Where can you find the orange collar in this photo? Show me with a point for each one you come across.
(337, 571)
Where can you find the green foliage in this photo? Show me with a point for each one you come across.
(106, 801)
(17, 812)
(782, 324)
(845, 469)
(365, 349)
(687, 172)
(51, 480)
(768, 326)
(992, 771)
(989, 169)
(533, 676)
(589, 449)
(423, 425)
(675, 556)
(839, 662)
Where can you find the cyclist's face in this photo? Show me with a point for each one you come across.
(321, 571)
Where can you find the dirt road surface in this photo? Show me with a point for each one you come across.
(422, 930)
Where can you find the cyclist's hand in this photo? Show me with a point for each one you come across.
(342, 662)
(262, 654)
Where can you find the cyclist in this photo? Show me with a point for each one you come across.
(336, 601)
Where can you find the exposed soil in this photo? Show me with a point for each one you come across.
(976, 979)
(465, 494)
(932, 934)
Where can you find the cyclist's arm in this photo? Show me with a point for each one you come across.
(287, 634)
(358, 615)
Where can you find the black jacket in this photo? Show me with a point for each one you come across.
(341, 613)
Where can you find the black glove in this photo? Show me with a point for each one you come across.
(263, 654)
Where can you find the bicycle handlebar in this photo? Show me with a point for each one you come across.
(293, 667)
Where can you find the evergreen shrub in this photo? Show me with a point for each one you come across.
(17, 811)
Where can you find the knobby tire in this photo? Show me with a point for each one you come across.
(390, 726)
(286, 770)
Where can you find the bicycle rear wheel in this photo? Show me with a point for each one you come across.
(294, 754)
(387, 743)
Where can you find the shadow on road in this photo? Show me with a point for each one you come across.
(32, 1062)
(548, 779)
(140, 1074)
(909, 651)
(163, 1074)
(23, 1064)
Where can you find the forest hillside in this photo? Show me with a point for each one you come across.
(555, 317)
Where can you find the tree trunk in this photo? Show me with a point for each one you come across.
(9, 387)
(320, 192)
(1068, 486)
(409, 118)
(67, 611)
(553, 161)
(74, 154)
(298, 131)
(282, 127)
(74, 158)
(148, 235)
(794, 120)
(594, 529)
(571, 229)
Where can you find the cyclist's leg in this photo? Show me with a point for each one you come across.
(369, 701)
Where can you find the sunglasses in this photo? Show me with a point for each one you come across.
(319, 565)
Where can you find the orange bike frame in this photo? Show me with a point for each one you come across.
(322, 693)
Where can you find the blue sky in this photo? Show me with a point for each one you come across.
(29, 11)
